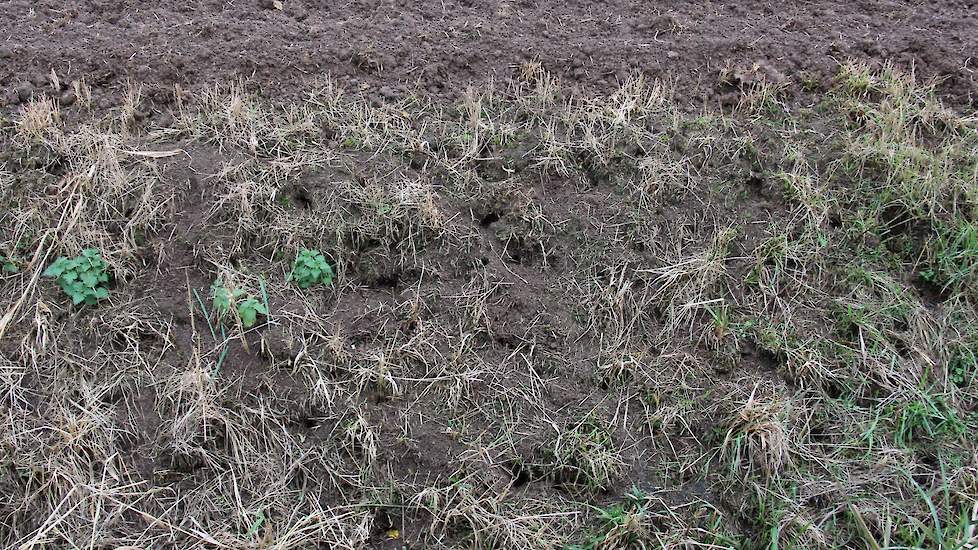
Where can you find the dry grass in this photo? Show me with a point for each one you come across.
(558, 320)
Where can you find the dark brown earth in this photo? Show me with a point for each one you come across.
(389, 47)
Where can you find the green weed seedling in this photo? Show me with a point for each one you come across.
(310, 268)
(83, 277)
(955, 257)
(963, 366)
(8, 265)
(928, 417)
(248, 307)
(621, 525)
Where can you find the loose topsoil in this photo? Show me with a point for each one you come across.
(391, 47)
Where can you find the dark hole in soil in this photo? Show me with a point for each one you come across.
(834, 390)
(931, 292)
(594, 171)
(383, 521)
(361, 246)
(597, 175)
(310, 423)
(902, 348)
(820, 500)
(570, 477)
(755, 183)
(417, 160)
(515, 256)
(302, 199)
(518, 251)
(544, 366)
(655, 312)
(819, 434)
(387, 280)
(298, 479)
(520, 473)
(508, 340)
(489, 219)
(113, 396)
(184, 463)
(896, 221)
(928, 458)
(769, 360)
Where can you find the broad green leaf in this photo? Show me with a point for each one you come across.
(90, 278)
(55, 269)
(248, 317)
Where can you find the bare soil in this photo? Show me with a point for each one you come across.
(389, 48)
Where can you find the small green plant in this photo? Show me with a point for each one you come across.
(927, 417)
(928, 275)
(222, 297)
(962, 367)
(8, 264)
(310, 268)
(620, 525)
(955, 261)
(83, 277)
(248, 307)
(721, 319)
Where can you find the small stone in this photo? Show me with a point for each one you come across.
(67, 99)
(672, 54)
